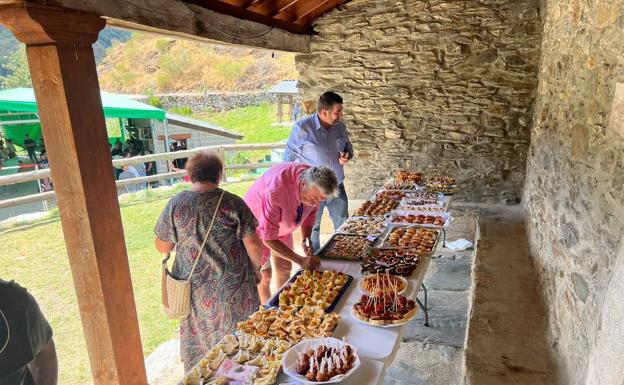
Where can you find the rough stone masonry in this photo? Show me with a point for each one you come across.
(575, 186)
(441, 86)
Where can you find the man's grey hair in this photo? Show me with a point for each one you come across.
(322, 177)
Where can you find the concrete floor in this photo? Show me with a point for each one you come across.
(507, 341)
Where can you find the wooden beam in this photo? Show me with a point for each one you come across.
(177, 18)
(305, 11)
(62, 66)
(254, 14)
(271, 7)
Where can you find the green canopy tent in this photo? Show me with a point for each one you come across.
(18, 112)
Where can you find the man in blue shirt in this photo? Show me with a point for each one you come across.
(322, 139)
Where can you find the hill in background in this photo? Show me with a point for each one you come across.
(154, 64)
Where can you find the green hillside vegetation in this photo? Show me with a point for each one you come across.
(153, 64)
(14, 67)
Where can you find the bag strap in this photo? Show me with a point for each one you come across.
(205, 238)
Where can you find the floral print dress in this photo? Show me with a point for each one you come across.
(223, 288)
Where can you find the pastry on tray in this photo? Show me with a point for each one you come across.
(400, 262)
(376, 207)
(379, 284)
(313, 288)
(421, 219)
(417, 238)
(289, 323)
(363, 226)
(346, 247)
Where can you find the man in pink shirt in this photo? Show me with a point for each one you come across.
(286, 197)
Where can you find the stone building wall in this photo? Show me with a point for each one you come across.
(441, 86)
(216, 101)
(575, 184)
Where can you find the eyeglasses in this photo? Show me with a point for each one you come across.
(299, 214)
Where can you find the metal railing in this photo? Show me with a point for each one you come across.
(167, 156)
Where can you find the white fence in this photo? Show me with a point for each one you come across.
(167, 156)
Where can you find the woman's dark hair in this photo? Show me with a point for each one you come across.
(204, 167)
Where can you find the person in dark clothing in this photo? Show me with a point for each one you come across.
(30, 147)
(27, 351)
(117, 151)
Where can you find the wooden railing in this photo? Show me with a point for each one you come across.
(167, 156)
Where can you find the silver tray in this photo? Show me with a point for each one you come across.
(384, 238)
(321, 251)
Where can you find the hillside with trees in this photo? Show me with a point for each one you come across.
(155, 64)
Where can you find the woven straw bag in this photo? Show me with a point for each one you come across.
(176, 293)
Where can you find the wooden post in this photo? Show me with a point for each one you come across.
(64, 78)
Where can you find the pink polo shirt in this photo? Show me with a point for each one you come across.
(274, 200)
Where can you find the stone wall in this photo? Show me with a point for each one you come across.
(441, 86)
(575, 181)
(214, 101)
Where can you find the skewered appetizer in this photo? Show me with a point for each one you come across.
(289, 323)
(346, 247)
(363, 226)
(422, 240)
(313, 288)
(403, 176)
(397, 262)
(379, 206)
(324, 363)
(421, 219)
(380, 284)
(383, 310)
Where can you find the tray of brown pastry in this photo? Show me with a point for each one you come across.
(422, 218)
(363, 226)
(427, 208)
(400, 262)
(442, 185)
(402, 186)
(396, 195)
(313, 288)
(420, 239)
(424, 198)
(290, 323)
(403, 176)
(376, 207)
(345, 246)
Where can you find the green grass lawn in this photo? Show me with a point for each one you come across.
(34, 255)
(256, 123)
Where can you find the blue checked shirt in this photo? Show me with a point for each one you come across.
(311, 143)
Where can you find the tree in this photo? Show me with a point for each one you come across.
(17, 69)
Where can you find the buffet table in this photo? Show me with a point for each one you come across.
(382, 238)
(377, 346)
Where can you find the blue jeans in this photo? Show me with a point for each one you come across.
(338, 212)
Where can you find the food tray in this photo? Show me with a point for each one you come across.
(430, 208)
(382, 267)
(364, 291)
(274, 301)
(412, 199)
(321, 251)
(289, 360)
(447, 218)
(342, 229)
(384, 245)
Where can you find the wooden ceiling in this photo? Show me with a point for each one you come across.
(290, 15)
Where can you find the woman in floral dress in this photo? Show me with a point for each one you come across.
(223, 285)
